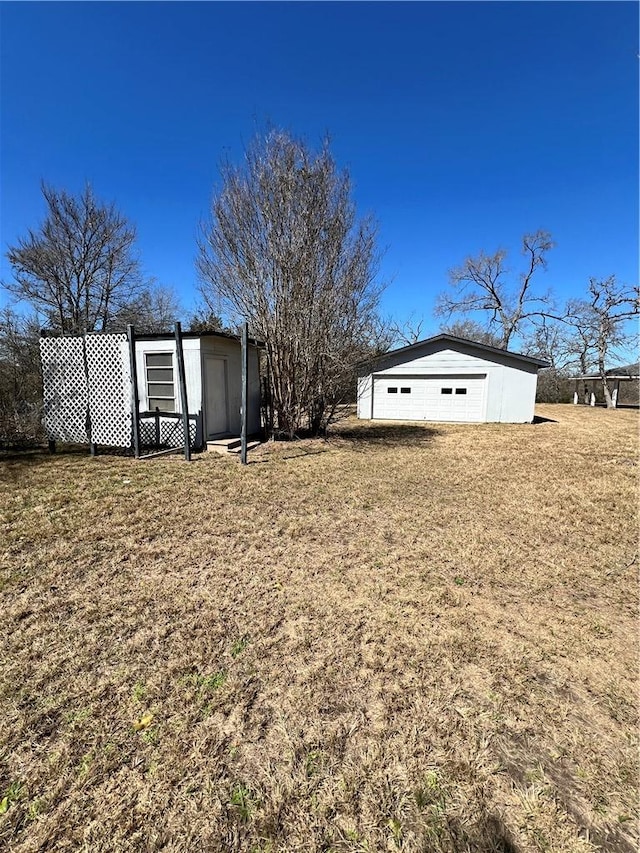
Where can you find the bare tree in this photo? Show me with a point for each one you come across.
(78, 269)
(407, 332)
(481, 287)
(552, 340)
(204, 319)
(156, 309)
(472, 331)
(20, 381)
(598, 326)
(285, 251)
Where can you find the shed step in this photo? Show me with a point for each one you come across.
(223, 445)
(229, 445)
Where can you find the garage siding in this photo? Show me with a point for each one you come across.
(364, 396)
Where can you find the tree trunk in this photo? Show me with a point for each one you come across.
(316, 416)
(605, 384)
(607, 393)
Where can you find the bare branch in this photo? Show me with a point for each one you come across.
(408, 332)
(480, 288)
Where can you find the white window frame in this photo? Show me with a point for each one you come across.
(148, 380)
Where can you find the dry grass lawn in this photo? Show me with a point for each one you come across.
(408, 637)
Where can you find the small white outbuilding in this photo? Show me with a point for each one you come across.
(446, 378)
(89, 391)
(213, 374)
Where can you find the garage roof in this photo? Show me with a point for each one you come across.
(453, 339)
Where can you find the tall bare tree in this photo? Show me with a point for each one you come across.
(599, 326)
(79, 268)
(285, 251)
(481, 287)
(589, 333)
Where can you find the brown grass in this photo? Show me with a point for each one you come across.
(418, 638)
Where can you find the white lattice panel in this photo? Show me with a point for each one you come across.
(65, 388)
(109, 389)
(166, 432)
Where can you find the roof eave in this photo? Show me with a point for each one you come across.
(609, 376)
(159, 336)
(454, 339)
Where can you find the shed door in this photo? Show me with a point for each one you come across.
(432, 398)
(217, 406)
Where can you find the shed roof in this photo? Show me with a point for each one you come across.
(159, 336)
(625, 377)
(622, 371)
(453, 339)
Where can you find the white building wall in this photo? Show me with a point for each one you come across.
(510, 391)
(192, 370)
(167, 432)
(518, 396)
(364, 400)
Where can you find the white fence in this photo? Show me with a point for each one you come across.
(64, 388)
(87, 389)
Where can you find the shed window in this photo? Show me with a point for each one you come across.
(446, 390)
(158, 367)
(392, 390)
(405, 390)
(461, 390)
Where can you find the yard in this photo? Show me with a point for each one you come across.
(407, 637)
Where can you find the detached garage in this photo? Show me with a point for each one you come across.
(446, 378)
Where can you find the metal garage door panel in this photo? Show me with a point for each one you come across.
(398, 398)
(459, 399)
(435, 398)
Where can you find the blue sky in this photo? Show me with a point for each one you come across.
(464, 125)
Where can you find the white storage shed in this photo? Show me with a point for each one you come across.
(446, 378)
(213, 374)
(89, 393)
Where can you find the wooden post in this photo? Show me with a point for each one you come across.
(245, 393)
(182, 382)
(135, 400)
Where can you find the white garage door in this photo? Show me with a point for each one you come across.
(432, 398)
